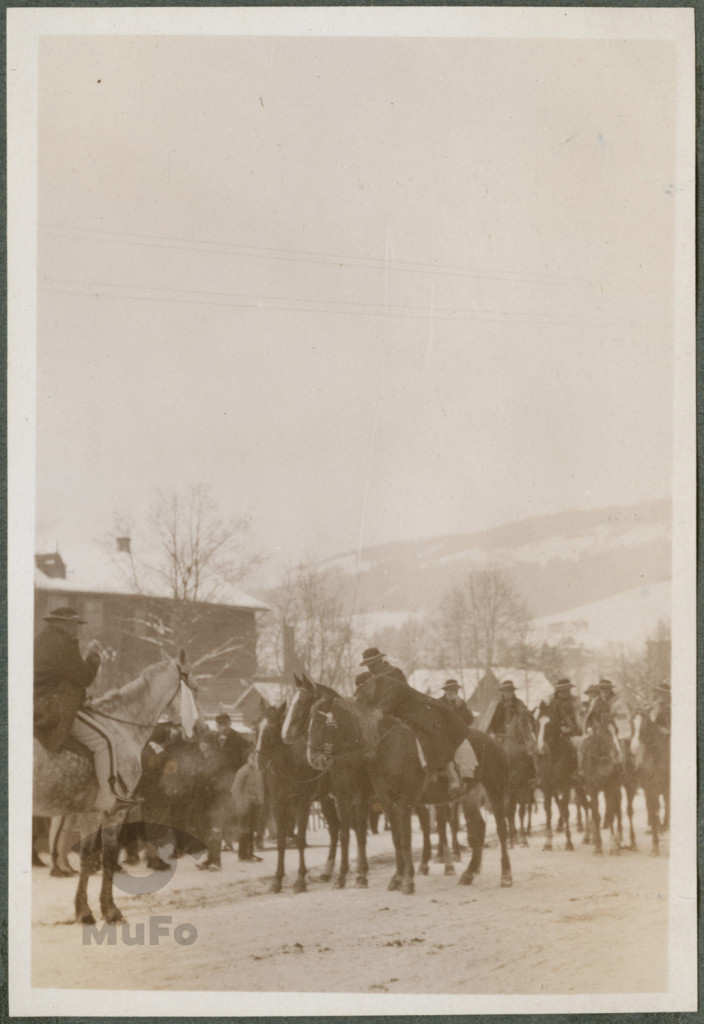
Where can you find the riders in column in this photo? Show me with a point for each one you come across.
(562, 709)
(610, 713)
(438, 728)
(61, 678)
(509, 707)
(662, 710)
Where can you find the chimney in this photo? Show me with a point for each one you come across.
(124, 544)
(52, 566)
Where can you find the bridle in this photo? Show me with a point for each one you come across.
(182, 678)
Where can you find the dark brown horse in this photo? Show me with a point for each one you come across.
(601, 774)
(518, 745)
(650, 747)
(340, 729)
(293, 786)
(557, 767)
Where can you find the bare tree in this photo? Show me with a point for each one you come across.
(309, 600)
(481, 619)
(187, 561)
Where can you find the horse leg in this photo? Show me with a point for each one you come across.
(630, 792)
(652, 804)
(547, 794)
(476, 832)
(361, 814)
(595, 819)
(392, 814)
(344, 811)
(111, 851)
(565, 808)
(407, 883)
(424, 819)
(301, 825)
(443, 814)
(329, 809)
(90, 856)
(455, 827)
(281, 817)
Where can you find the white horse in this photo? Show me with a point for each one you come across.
(65, 782)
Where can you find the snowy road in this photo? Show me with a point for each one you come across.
(572, 922)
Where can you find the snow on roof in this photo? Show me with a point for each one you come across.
(95, 569)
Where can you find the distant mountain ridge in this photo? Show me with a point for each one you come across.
(557, 562)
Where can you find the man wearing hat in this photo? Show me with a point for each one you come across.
(233, 747)
(611, 713)
(662, 712)
(590, 695)
(61, 676)
(562, 709)
(61, 679)
(440, 731)
(508, 708)
(451, 696)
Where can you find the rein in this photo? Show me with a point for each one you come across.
(182, 678)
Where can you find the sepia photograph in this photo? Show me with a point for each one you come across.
(351, 511)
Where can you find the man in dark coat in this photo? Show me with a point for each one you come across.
(234, 748)
(662, 712)
(562, 710)
(437, 726)
(451, 696)
(61, 677)
(507, 709)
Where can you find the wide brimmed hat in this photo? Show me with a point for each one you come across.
(451, 684)
(605, 684)
(563, 684)
(592, 688)
(507, 685)
(370, 655)
(65, 615)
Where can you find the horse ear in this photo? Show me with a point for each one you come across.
(307, 683)
(181, 659)
(297, 681)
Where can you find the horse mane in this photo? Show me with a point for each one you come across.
(115, 699)
(365, 719)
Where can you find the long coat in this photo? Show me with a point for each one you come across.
(61, 678)
(440, 730)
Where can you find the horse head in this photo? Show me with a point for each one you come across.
(298, 713)
(322, 726)
(268, 736)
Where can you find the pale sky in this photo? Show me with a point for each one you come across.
(369, 289)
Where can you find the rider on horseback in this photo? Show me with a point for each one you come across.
(509, 707)
(610, 714)
(440, 730)
(561, 708)
(61, 678)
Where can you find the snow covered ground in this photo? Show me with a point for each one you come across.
(572, 923)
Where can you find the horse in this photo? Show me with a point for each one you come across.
(341, 729)
(601, 774)
(650, 747)
(293, 785)
(517, 744)
(350, 786)
(557, 767)
(65, 782)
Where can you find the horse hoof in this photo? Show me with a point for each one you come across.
(466, 879)
(361, 883)
(113, 916)
(394, 885)
(423, 869)
(326, 877)
(449, 869)
(340, 883)
(408, 887)
(86, 917)
(275, 887)
(506, 881)
(569, 848)
(547, 848)
(300, 886)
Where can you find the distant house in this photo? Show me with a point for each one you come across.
(92, 579)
